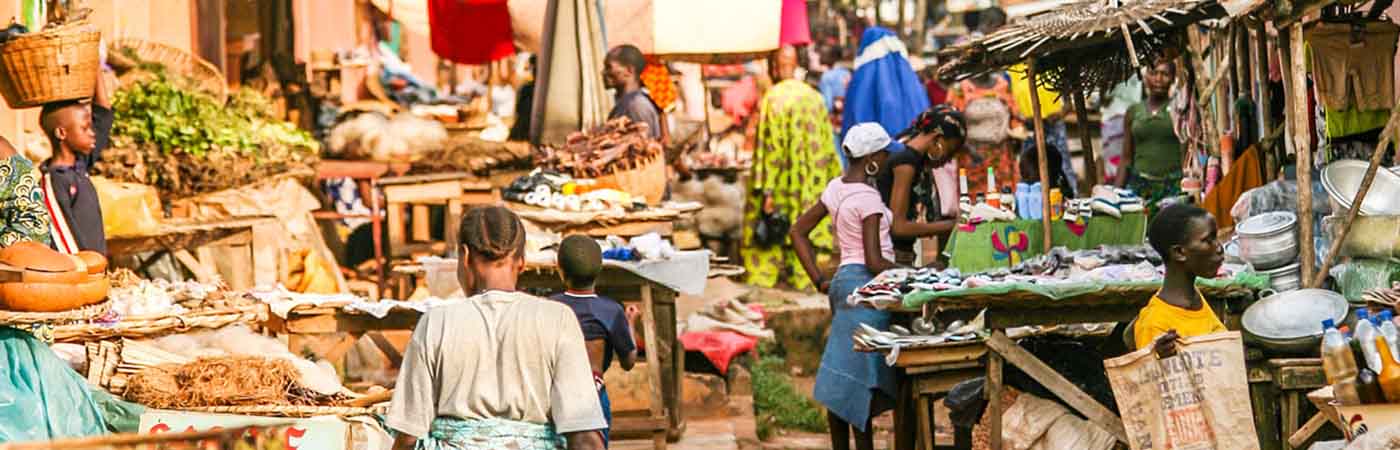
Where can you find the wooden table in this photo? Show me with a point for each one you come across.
(929, 373)
(664, 419)
(1110, 304)
(244, 269)
(1278, 390)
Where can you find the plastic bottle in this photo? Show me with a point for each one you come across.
(1008, 201)
(1366, 333)
(1368, 387)
(963, 195)
(1056, 210)
(1386, 327)
(1337, 360)
(1339, 364)
(1389, 376)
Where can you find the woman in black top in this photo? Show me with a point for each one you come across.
(934, 139)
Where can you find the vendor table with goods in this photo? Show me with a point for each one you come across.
(936, 359)
(652, 285)
(254, 261)
(600, 224)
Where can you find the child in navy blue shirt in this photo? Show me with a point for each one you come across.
(606, 325)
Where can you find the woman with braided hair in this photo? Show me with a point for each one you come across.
(502, 369)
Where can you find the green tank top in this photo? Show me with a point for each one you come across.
(1156, 150)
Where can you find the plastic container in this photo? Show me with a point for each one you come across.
(1387, 330)
(1339, 364)
(1366, 333)
(441, 276)
(1368, 387)
(1389, 376)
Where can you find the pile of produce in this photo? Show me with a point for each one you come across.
(186, 143)
(229, 367)
(617, 145)
(220, 381)
(471, 154)
(132, 296)
(372, 136)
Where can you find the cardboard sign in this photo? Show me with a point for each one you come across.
(305, 434)
(1360, 419)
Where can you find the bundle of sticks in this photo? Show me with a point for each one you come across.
(618, 145)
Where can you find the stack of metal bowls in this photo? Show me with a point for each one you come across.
(1269, 243)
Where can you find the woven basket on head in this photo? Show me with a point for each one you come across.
(175, 60)
(39, 68)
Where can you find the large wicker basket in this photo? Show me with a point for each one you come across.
(39, 68)
(175, 60)
(647, 179)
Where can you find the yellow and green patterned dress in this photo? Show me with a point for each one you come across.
(22, 213)
(794, 158)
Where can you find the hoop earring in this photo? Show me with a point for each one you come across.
(872, 169)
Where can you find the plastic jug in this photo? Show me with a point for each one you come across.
(1389, 377)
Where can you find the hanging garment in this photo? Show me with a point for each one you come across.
(884, 88)
(1352, 122)
(1245, 174)
(1021, 87)
(1354, 70)
(474, 32)
(989, 116)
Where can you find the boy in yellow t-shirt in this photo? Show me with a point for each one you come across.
(1185, 236)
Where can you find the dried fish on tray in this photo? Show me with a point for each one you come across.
(618, 145)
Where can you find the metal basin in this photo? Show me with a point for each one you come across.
(1268, 240)
(1291, 322)
(1284, 279)
(1342, 179)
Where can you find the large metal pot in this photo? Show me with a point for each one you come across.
(1286, 278)
(1269, 240)
(1291, 322)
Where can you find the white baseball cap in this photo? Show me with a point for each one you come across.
(864, 139)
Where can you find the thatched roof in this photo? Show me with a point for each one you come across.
(1081, 45)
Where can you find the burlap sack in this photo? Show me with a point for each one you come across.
(1196, 400)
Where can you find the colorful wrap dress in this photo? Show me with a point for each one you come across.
(23, 216)
(793, 159)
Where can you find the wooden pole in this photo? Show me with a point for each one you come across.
(1331, 256)
(1091, 161)
(1040, 154)
(1260, 64)
(1302, 145)
(899, 21)
(920, 25)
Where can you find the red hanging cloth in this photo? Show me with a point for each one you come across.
(470, 31)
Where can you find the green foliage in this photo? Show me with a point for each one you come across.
(158, 111)
(778, 404)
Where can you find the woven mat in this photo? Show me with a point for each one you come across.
(90, 312)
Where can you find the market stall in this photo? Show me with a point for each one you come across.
(942, 358)
(651, 285)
